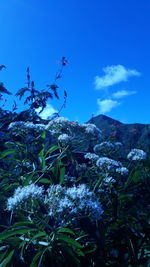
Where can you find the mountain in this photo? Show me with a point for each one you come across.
(134, 135)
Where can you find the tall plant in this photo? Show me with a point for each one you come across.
(3, 90)
(38, 99)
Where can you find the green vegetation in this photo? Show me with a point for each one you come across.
(66, 198)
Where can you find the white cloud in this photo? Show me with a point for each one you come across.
(106, 105)
(123, 93)
(114, 74)
(48, 111)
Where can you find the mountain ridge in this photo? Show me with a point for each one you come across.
(131, 135)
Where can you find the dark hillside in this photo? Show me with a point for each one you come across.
(134, 135)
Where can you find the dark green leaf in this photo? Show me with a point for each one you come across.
(45, 181)
(69, 240)
(7, 152)
(7, 259)
(66, 230)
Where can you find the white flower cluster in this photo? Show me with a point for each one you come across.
(15, 124)
(91, 129)
(57, 123)
(91, 156)
(103, 147)
(65, 204)
(79, 192)
(137, 154)
(21, 194)
(108, 165)
(108, 179)
(122, 170)
(62, 203)
(25, 125)
(64, 139)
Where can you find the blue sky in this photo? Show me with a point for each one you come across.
(106, 42)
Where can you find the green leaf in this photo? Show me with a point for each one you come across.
(43, 135)
(23, 223)
(7, 259)
(90, 251)
(80, 253)
(7, 152)
(73, 256)
(22, 244)
(35, 259)
(133, 177)
(8, 234)
(40, 234)
(15, 241)
(42, 158)
(45, 181)
(62, 174)
(124, 198)
(69, 240)
(97, 184)
(66, 230)
(2, 255)
(51, 150)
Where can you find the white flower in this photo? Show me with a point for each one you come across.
(57, 122)
(103, 147)
(53, 191)
(108, 165)
(17, 125)
(21, 194)
(65, 203)
(79, 192)
(71, 203)
(122, 171)
(91, 156)
(108, 179)
(137, 154)
(91, 129)
(64, 139)
(92, 208)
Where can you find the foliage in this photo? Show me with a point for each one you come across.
(38, 99)
(67, 196)
(3, 90)
(30, 237)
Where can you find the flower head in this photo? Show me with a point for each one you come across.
(71, 203)
(103, 148)
(91, 129)
(21, 194)
(122, 170)
(21, 125)
(108, 165)
(64, 139)
(91, 156)
(137, 154)
(57, 123)
(108, 179)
